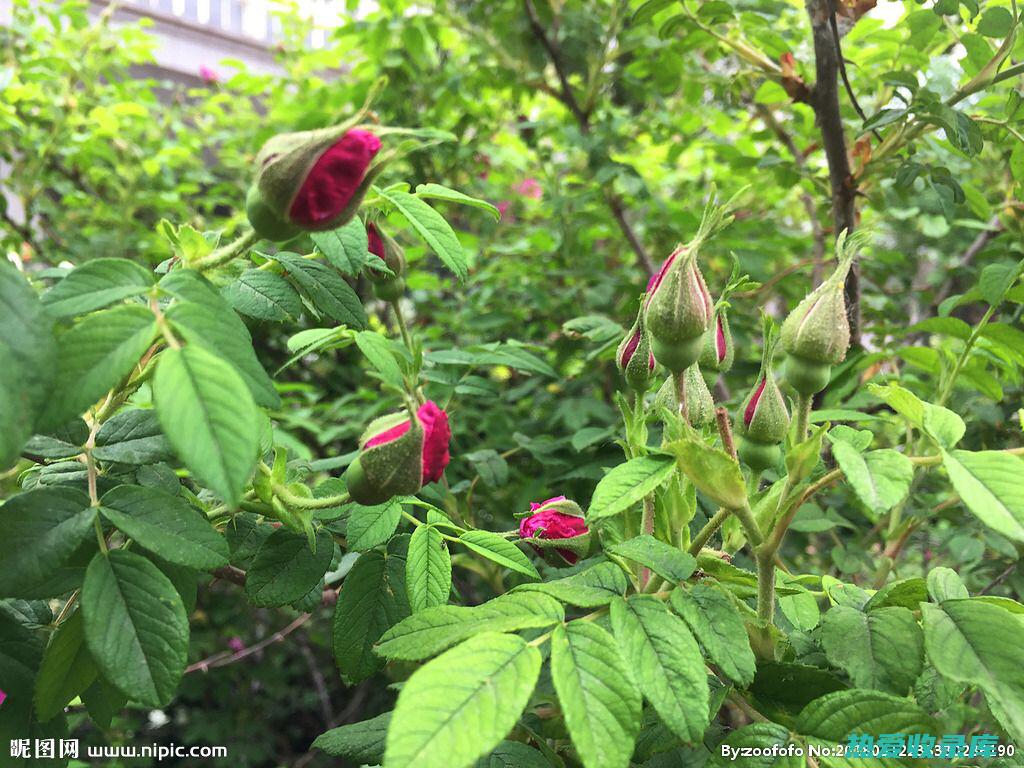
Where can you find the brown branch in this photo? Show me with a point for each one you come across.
(830, 123)
(224, 658)
(567, 97)
(230, 573)
(555, 55)
(817, 231)
(999, 579)
(992, 230)
(842, 67)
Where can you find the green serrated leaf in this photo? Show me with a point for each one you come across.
(712, 471)
(880, 479)
(67, 668)
(264, 296)
(628, 483)
(371, 526)
(716, 623)
(428, 571)
(330, 294)
(590, 588)
(346, 248)
(285, 569)
(372, 599)
(432, 630)
(440, 192)
(882, 649)
(667, 663)
(431, 226)
(670, 563)
(599, 698)
(979, 644)
(500, 550)
(96, 284)
(462, 704)
(42, 530)
(135, 626)
(166, 524)
(28, 357)
(209, 418)
(132, 436)
(94, 355)
(361, 743)
(989, 483)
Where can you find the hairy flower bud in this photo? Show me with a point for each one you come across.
(718, 353)
(398, 456)
(314, 180)
(816, 334)
(678, 306)
(557, 525)
(634, 357)
(700, 406)
(388, 287)
(678, 310)
(764, 418)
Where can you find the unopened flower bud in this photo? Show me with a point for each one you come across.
(816, 334)
(718, 353)
(678, 310)
(398, 456)
(387, 286)
(634, 357)
(313, 180)
(764, 418)
(556, 525)
(700, 406)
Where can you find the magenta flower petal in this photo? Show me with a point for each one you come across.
(388, 435)
(374, 243)
(334, 178)
(748, 414)
(720, 344)
(436, 436)
(629, 349)
(551, 524)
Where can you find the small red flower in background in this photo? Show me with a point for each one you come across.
(208, 75)
(529, 188)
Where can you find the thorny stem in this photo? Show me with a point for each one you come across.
(223, 255)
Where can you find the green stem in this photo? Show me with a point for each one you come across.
(99, 533)
(802, 416)
(223, 255)
(947, 387)
(705, 533)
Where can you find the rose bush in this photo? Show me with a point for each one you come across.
(730, 580)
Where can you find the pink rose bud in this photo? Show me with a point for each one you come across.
(2, 697)
(816, 334)
(388, 285)
(634, 357)
(312, 180)
(557, 524)
(718, 353)
(678, 310)
(236, 644)
(764, 417)
(398, 457)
